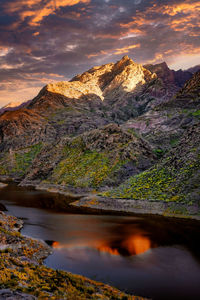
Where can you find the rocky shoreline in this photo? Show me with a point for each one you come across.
(23, 275)
(165, 209)
(94, 202)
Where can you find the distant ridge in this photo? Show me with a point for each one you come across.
(11, 106)
(177, 78)
(194, 69)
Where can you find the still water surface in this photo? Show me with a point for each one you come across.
(148, 256)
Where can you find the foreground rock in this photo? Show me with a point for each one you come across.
(22, 275)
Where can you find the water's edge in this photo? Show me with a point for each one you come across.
(92, 203)
(99, 204)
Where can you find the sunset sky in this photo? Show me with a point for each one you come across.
(42, 41)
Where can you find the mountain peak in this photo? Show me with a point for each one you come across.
(160, 66)
(126, 58)
(163, 64)
(124, 61)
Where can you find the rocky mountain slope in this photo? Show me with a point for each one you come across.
(174, 179)
(101, 157)
(164, 125)
(103, 127)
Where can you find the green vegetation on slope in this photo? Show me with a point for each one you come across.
(24, 159)
(175, 179)
(18, 162)
(85, 168)
(104, 156)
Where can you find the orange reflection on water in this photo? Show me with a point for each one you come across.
(107, 249)
(137, 244)
(55, 244)
(131, 245)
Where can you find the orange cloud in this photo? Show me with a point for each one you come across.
(121, 35)
(97, 54)
(36, 33)
(183, 57)
(37, 10)
(181, 17)
(117, 51)
(5, 50)
(126, 49)
(185, 8)
(138, 21)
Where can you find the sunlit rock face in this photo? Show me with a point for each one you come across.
(108, 82)
(125, 75)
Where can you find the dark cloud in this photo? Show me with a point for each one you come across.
(42, 41)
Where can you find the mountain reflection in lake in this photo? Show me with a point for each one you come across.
(148, 256)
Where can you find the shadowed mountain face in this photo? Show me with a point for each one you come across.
(175, 79)
(194, 69)
(102, 127)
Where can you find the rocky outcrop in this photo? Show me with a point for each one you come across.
(9, 294)
(189, 96)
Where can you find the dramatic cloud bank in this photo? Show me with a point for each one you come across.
(43, 41)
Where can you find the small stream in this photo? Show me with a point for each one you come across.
(155, 257)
